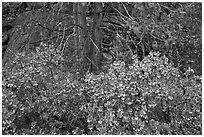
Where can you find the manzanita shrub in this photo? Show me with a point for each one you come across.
(147, 97)
(144, 97)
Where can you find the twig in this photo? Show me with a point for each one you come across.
(62, 49)
(61, 4)
(92, 62)
(126, 18)
(126, 10)
(132, 40)
(94, 44)
(62, 37)
(58, 31)
(167, 8)
(67, 28)
(13, 52)
(44, 26)
(124, 38)
(125, 41)
(16, 56)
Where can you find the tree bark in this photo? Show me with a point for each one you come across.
(96, 38)
(76, 30)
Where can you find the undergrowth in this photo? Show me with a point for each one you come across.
(144, 97)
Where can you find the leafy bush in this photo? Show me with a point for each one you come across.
(35, 83)
(146, 97)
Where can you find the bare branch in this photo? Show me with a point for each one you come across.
(126, 10)
(95, 44)
(62, 37)
(92, 62)
(62, 49)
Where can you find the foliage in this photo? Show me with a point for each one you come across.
(144, 97)
(168, 27)
(37, 83)
(173, 29)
